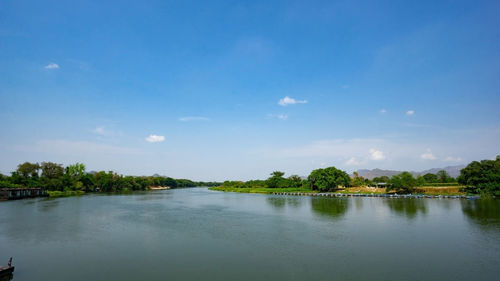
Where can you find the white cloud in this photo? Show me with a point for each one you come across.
(279, 116)
(155, 138)
(52, 66)
(193, 118)
(452, 159)
(376, 155)
(428, 155)
(410, 112)
(383, 111)
(99, 131)
(288, 100)
(352, 162)
(102, 131)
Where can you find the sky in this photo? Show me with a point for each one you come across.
(217, 90)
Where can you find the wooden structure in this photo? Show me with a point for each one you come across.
(19, 193)
(6, 271)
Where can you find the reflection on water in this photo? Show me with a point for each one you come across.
(485, 213)
(7, 277)
(293, 202)
(281, 201)
(48, 204)
(408, 208)
(331, 207)
(187, 234)
(277, 202)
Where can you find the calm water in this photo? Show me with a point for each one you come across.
(197, 234)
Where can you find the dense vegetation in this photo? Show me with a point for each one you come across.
(478, 177)
(482, 177)
(331, 179)
(55, 177)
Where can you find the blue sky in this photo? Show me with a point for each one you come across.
(214, 90)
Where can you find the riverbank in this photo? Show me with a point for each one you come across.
(67, 193)
(159, 187)
(382, 195)
(262, 190)
(425, 190)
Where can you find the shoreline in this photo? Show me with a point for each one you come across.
(345, 193)
(379, 195)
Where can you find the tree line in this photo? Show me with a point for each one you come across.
(56, 177)
(477, 177)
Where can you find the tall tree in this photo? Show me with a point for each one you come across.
(75, 171)
(294, 181)
(52, 170)
(430, 178)
(328, 179)
(443, 176)
(28, 169)
(276, 180)
(404, 182)
(357, 180)
(482, 177)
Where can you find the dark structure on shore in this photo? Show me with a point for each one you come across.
(20, 193)
(6, 271)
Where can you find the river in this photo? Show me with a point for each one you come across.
(198, 234)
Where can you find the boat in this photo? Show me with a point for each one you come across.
(7, 270)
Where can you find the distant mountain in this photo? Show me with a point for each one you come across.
(453, 171)
(370, 174)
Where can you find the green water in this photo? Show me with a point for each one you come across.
(197, 234)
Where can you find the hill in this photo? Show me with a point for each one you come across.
(453, 171)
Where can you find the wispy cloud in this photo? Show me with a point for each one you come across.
(102, 131)
(452, 159)
(155, 138)
(288, 101)
(410, 112)
(278, 116)
(193, 118)
(376, 155)
(52, 66)
(352, 162)
(428, 155)
(383, 111)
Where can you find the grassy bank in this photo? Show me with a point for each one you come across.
(54, 194)
(263, 190)
(427, 190)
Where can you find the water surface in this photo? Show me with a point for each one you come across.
(197, 234)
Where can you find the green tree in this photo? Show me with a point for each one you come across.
(443, 176)
(51, 170)
(276, 180)
(328, 179)
(75, 171)
(420, 181)
(381, 179)
(294, 181)
(404, 182)
(357, 180)
(430, 178)
(482, 177)
(28, 169)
